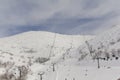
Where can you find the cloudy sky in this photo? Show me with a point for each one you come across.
(62, 16)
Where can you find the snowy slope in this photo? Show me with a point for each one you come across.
(83, 65)
(29, 51)
(103, 50)
(68, 57)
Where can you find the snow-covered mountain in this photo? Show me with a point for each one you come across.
(38, 44)
(32, 49)
(51, 56)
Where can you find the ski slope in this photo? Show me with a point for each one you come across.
(27, 50)
(65, 57)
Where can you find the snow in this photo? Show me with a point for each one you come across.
(68, 56)
(83, 72)
(36, 44)
(23, 50)
(88, 73)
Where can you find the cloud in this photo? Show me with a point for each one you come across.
(63, 16)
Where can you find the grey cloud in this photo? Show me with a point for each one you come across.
(63, 16)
